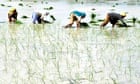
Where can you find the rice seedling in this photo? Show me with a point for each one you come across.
(20, 4)
(24, 17)
(67, 48)
(2, 4)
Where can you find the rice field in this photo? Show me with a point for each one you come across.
(50, 54)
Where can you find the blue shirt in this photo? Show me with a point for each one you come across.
(36, 17)
(78, 13)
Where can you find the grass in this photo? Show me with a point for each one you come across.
(40, 54)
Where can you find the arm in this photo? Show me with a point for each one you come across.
(78, 22)
(80, 19)
(42, 17)
(16, 14)
(123, 22)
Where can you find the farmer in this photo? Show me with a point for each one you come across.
(113, 19)
(76, 16)
(40, 17)
(12, 15)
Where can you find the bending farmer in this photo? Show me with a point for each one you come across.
(113, 19)
(76, 16)
(38, 17)
(12, 15)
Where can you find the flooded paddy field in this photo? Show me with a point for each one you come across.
(47, 54)
(50, 54)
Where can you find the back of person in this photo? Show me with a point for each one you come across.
(78, 13)
(36, 16)
(114, 17)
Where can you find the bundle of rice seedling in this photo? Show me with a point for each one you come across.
(18, 22)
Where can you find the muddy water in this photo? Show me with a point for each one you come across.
(50, 54)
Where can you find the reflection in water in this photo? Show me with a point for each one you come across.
(75, 33)
(38, 27)
(13, 28)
